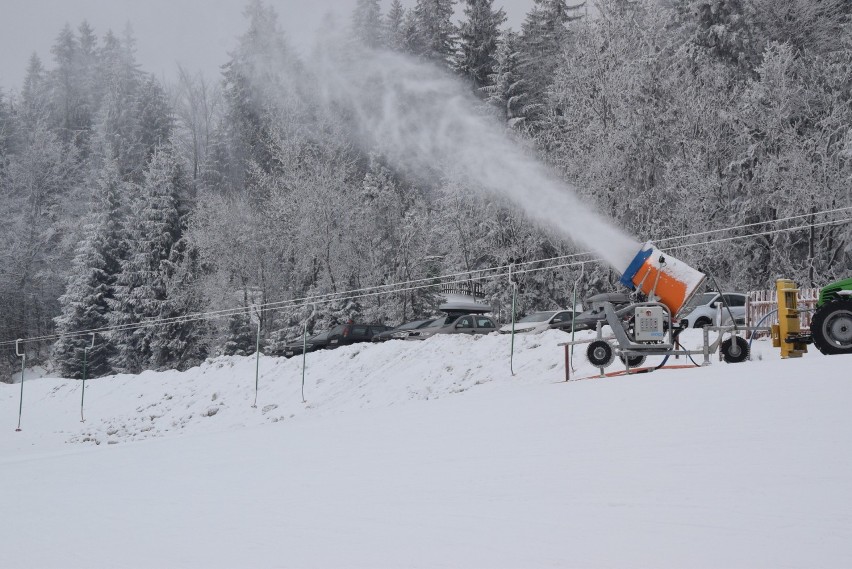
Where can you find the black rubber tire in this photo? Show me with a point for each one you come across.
(702, 322)
(734, 350)
(600, 353)
(633, 361)
(831, 327)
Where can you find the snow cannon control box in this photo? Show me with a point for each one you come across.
(662, 278)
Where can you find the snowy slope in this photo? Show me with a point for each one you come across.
(432, 455)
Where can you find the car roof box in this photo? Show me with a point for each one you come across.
(464, 307)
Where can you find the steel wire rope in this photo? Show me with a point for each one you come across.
(331, 297)
(680, 237)
(299, 302)
(763, 233)
(271, 307)
(735, 227)
(346, 294)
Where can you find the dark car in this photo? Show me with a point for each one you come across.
(402, 331)
(588, 319)
(315, 342)
(351, 333)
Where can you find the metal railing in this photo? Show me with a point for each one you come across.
(759, 303)
(467, 288)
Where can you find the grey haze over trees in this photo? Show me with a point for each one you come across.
(126, 200)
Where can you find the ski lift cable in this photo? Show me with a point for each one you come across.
(394, 288)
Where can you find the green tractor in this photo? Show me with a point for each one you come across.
(831, 324)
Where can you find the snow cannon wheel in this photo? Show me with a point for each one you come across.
(734, 350)
(632, 361)
(600, 353)
(831, 327)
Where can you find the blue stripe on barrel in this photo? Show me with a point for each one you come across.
(633, 268)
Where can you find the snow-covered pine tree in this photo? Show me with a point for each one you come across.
(410, 35)
(34, 101)
(367, 23)
(117, 122)
(90, 284)
(262, 71)
(155, 120)
(543, 36)
(63, 84)
(140, 293)
(7, 129)
(506, 88)
(436, 32)
(394, 29)
(241, 338)
(181, 344)
(479, 34)
(37, 184)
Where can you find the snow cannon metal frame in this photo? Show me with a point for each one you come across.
(648, 327)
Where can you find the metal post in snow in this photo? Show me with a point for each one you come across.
(305, 348)
(85, 364)
(512, 349)
(574, 308)
(257, 364)
(23, 363)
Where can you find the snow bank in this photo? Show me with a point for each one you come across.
(431, 454)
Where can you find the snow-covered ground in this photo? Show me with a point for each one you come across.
(431, 454)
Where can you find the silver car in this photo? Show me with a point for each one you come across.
(455, 324)
(540, 321)
(702, 311)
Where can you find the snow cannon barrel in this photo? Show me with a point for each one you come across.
(662, 278)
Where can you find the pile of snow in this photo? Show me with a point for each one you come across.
(424, 454)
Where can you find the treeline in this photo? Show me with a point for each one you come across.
(125, 200)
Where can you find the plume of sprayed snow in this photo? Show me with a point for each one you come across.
(427, 124)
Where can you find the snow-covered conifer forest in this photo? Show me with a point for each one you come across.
(126, 199)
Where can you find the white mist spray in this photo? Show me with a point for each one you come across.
(427, 123)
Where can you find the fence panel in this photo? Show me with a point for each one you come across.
(759, 303)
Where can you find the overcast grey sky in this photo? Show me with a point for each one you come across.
(195, 33)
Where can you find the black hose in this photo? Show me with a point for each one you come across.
(675, 334)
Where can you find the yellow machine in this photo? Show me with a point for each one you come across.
(787, 334)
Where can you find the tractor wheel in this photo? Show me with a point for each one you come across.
(600, 353)
(702, 322)
(734, 350)
(632, 361)
(831, 327)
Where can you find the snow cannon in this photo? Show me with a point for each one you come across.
(662, 278)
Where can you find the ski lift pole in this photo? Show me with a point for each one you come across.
(85, 364)
(23, 364)
(305, 348)
(512, 348)
(256, 364)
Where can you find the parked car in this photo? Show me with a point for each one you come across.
(456, 324)
(701, 310)
(402, 331)
(539, 322)
(429, 330)
(315, 342)
(351, 333)
(588, 319)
